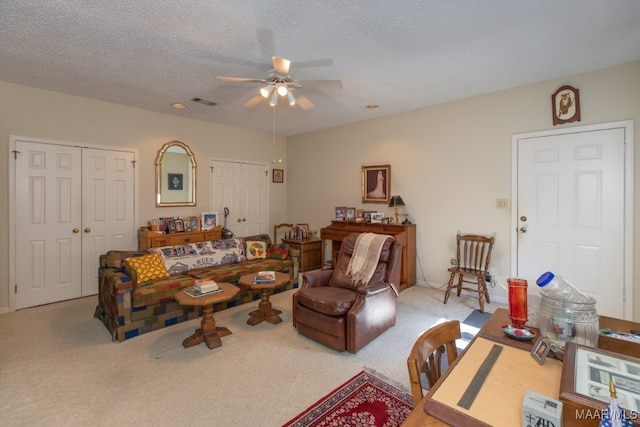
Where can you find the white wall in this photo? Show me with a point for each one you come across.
(47, 115)
(450, 163)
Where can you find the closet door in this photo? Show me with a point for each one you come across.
(72, 204)
(48, 223)
(107, 209)
(242, 188)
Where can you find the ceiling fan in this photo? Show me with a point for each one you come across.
(279, 82)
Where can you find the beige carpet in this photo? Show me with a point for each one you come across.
(59, 367)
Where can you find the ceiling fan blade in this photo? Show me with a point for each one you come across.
(320, 84)
(281, 65)
(304, 102)
(253, 101)
(239, 80)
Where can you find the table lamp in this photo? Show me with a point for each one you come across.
(394, 202)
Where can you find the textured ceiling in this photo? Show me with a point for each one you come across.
(401, 55)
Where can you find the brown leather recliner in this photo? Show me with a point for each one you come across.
(330, 309)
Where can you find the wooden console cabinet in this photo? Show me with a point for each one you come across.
(310, 253)
(153, 239)
(405, 234)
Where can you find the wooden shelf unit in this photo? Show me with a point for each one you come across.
(310, 253)
(153, 239)
(405, 234)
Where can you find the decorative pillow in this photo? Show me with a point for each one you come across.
(276, 251)
(148, 267)
(256, 249)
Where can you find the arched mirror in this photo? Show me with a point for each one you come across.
(175, 175)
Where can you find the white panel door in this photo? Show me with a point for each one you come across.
(48, 223)
(108, 209)
(570, 212)
(242, 188)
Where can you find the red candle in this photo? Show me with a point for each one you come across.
(517, 302)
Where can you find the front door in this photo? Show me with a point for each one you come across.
(242, 188)
(570, 211)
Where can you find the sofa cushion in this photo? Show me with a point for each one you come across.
(327, 300)
(160, 290)
(256, 249)
(275, 251)
(148, 267)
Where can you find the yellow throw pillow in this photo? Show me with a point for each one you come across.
(256, 249)
(148, 267)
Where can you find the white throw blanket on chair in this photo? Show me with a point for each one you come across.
(366, 254)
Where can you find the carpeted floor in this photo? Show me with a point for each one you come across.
(59, 367)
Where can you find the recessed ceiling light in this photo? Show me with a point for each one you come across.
(371, 106)
(178, 106)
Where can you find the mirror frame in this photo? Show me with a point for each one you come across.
(192, 159)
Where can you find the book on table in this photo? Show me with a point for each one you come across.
(193, 292)
(265, 277)
(205, 285)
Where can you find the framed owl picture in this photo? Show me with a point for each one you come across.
(565, 103)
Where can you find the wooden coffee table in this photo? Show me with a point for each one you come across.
(264, 311)
(208, 331)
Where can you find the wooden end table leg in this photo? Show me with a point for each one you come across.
(208, 332)
(265, 311)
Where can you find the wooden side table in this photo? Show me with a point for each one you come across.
(208, 332)
(265, 311)
(310, 253)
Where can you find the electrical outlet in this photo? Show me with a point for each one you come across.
(488, 278)
(454, 262)
(502, 203)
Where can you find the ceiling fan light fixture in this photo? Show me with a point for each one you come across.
(282, 90)
(291, 98)
(274, 99)
(266, 91)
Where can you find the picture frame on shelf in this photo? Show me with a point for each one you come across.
(341, 212)
(171, 225)
(195, 223)
(565, 103)
(278, 176)
(367, 215)
(359, 214)
(175, 181)
(350, 214)
(376, 184)
(209, 220)
(376, 217)
(179, 222)
(540, 350)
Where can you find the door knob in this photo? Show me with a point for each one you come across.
(523, 229)
(523, 218)
(76, 230)
(87, 230)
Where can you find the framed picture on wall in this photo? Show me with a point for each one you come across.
(278, 175)
(566, 105)
(376, 184)
(209, 220)
(175, 181)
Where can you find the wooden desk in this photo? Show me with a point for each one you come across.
(405, 234)
(493, 330)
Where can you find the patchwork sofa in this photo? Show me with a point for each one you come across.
(136, 288)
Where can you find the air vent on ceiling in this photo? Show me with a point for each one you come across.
(204, 101)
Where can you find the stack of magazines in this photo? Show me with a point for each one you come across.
(265, 277)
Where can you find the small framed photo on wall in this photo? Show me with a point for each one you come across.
(566, 105)
(175, 181)
(376, 184)
(278, 176)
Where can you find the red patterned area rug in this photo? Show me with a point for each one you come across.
(367, 399)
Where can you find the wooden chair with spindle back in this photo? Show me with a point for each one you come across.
(473, 255)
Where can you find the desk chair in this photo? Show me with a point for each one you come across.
(473, 255)
(427, 355)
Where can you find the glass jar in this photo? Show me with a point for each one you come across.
(566, 321)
